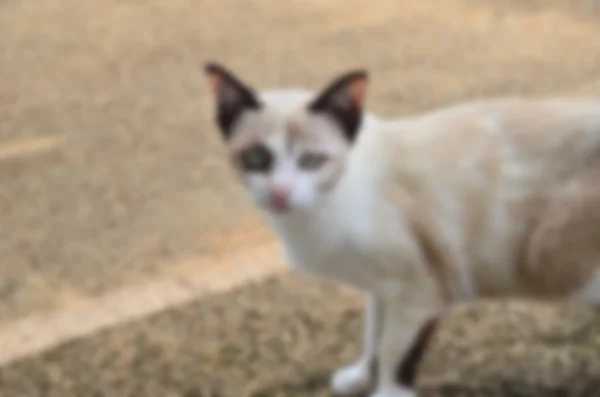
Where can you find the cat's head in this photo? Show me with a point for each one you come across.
(289, 147)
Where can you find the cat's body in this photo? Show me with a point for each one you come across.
(479, 180)
(489, 198)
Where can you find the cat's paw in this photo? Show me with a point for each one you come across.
(354, 379)
(395, 392)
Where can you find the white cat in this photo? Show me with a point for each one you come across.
(489, 198)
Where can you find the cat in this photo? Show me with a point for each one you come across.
(486, 198)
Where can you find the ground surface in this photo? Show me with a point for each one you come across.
(510, 349)
(256, 348)
(110, 168)
(268, 339)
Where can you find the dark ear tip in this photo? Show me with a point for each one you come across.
(211, 67)
(359, 74)
(363, 73)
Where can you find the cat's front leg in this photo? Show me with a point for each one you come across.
(358, 377)
(401, 325)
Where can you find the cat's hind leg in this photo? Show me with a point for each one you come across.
(358, 378)
(408, 367)
(563, 252)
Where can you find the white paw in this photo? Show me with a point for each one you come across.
(395, 392)
(352, 380)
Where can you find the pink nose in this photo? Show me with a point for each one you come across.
(280, 197)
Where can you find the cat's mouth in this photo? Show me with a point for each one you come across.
(280, 208)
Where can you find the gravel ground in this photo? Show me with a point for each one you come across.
(282, 337)
(266, 339)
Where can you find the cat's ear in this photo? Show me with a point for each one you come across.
(343, 100)
(232, 97)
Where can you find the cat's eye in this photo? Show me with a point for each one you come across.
(256, 159)
(312, 160)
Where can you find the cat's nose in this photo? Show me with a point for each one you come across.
(280, 197)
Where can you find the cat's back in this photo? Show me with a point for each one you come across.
(474, 175)
(511, 129)
(511, 118)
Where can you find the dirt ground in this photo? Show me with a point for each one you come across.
(110, 168)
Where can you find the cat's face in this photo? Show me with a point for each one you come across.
(290, 148)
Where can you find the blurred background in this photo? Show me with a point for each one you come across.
(114, 192)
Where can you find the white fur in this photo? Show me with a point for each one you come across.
(357, 235)
(590, 294)
(352, 379)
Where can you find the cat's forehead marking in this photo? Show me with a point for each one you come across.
(280, 125)
(295, 132)
(300, 128)
(295, 128)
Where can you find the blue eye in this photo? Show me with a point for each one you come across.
(256, 159)
(312, 161)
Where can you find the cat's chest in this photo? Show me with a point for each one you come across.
(344, 249)
(337, 257)
(326, 248)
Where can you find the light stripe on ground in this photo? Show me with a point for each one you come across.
(29, 147)
(36, 333)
